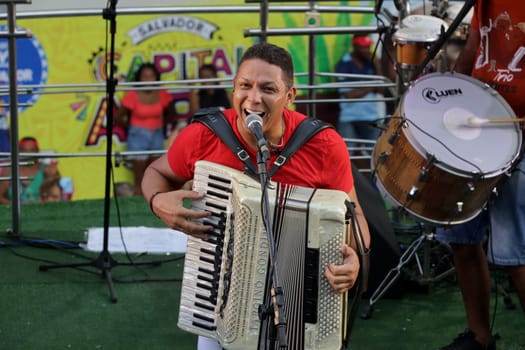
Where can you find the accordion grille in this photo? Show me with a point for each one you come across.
(233, 323)
(329, 302)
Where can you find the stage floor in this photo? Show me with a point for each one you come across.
(70, 308)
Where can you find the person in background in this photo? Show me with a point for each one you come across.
(493, 54)
(50, 190)
(144, 113)
(263, 84)
(5, 139)
(35, 172)
(203, 98)
(356, 118)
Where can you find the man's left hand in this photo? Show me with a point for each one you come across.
(343, 277)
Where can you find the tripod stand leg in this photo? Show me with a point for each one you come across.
(424, 267)
(392, 276)
(105, 263)
(112, 295)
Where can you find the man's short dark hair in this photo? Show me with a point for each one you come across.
(273, 55)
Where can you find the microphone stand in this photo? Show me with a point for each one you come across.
(277, 296)
(104, 261)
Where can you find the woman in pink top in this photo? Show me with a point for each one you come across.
(144, 113)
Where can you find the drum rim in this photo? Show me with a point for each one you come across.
(442, 164)
(439, 20)
(430, 36)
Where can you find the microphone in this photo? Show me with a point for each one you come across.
(254, 124)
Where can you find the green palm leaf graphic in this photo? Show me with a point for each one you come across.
(327, 55)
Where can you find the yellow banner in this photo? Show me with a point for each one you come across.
(73, 50)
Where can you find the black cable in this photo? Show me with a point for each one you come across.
(47, 261)
(487, 196)
(28, 257)
(119, 219)
(386, 51)
(112, 172)
(47, 242)
(487, 192)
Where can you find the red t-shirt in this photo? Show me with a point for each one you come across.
(149, 116)
(500, 56)
(323, 162)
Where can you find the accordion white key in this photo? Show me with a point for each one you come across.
(226, 277)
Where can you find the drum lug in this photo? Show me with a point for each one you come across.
(393, 138)
(469, 188)
(423, 175)
(412, 193)
(459, 207)
(382, 157)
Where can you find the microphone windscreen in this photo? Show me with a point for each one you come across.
(251, 119)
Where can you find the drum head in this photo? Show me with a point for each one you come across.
(437, 108)
(414, 35)
(431, 23)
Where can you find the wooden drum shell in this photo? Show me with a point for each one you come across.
(442, 196)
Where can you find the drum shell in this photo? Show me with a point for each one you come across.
(399, 167)
(412, 45)
(410, 54)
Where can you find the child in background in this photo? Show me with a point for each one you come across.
(51, 191)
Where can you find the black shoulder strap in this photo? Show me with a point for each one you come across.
(304, 132)
(215, 121)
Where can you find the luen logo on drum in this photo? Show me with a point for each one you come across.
(432, 95)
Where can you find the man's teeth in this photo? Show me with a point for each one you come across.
(253, 112)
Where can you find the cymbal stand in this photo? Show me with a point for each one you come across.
(424, 241)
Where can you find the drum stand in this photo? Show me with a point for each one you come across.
(424, 242)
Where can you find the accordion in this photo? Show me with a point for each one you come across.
(227, 276)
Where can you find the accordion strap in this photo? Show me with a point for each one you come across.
(361, 285)
(215, 121)
(304, 132)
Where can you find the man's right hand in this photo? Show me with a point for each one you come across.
(169, 207)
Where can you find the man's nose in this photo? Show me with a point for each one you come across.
(254, 95)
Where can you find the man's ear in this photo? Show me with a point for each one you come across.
(291, 96)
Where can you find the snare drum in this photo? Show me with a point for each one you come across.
(432, 163)
(412, 45)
